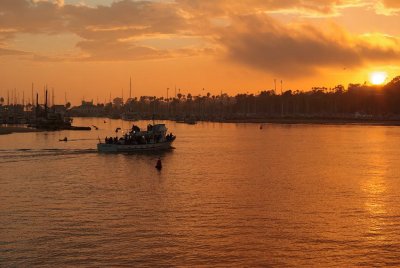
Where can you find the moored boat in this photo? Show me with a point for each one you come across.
(130, 116)
(153, 139)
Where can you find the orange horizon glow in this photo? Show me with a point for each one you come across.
(89, 49)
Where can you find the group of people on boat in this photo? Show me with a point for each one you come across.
(111, 140)
(128, 140)
(170, 137)
(135, 136)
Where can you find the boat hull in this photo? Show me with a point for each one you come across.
(116, 148)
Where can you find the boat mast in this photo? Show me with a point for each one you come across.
(45, 102)
(53, 97)
(37, 105)
(130, 87)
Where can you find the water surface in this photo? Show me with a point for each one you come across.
(229, 194)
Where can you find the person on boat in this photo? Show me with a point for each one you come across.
(135, 128)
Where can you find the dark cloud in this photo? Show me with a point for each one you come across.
(265, 44)
(29, 17)
(124, 18)
(102, 28)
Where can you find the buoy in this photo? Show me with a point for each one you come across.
(159, 164)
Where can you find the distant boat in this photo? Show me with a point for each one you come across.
(129, 116)
(189, 121)
(153, 139)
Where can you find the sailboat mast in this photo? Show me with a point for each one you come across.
(130, 87)
(45, 101)
(53, 98)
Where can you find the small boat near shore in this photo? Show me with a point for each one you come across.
(135, 140)
(189, 121)
(129, 116)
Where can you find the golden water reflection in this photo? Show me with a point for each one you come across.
(375, 188)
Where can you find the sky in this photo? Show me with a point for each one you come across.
(89, 49)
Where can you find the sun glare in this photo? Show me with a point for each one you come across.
(378, 78)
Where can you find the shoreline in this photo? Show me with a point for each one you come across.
(284, 121)
(5, 130)
(293, 121)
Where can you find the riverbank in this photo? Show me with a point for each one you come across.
(4, 130)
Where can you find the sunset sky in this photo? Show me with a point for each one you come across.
(89, 48)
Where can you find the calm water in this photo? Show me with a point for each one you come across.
(229, 195)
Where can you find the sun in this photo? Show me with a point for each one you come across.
(378, 78)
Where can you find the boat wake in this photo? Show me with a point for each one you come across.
(18, 155)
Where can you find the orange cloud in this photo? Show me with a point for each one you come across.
(247, 35)
(251, 6)
(391, 3)
(12, 52)
(263, 43)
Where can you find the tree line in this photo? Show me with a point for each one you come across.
(357, 100)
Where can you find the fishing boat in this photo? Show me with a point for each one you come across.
(134, 140)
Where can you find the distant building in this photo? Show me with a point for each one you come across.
(87, 108)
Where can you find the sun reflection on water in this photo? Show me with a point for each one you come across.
(375, 188)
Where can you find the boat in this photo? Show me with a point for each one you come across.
(135, 140)
(130, 116)
(47, 118)
(188, 120)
